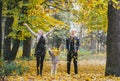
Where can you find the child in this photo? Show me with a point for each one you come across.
(54, 59)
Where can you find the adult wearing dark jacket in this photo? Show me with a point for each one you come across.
(72, 46)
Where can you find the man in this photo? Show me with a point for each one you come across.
(72, 46)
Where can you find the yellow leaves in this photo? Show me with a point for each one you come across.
(63, 3)
(38, 17)
(93, 3)
(37, 10)
(116, 1)
(116, 4)
(88, 79)
(90, 4)
(94, 12)
(56, 51)
(87, 71)
(36, 1)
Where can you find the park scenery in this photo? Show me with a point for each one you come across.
(59, 40)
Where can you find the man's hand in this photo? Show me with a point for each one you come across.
(67, 51)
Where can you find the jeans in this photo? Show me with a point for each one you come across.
(70, 55)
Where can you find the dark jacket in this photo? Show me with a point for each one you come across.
(41, 43)
(40, 48)
(72, 44)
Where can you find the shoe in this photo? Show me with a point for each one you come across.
(76, 75)
(37, 72)
(40, 74)
(68, 74)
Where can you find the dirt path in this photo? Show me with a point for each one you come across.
(93, 62)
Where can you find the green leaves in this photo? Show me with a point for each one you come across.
(11, 68)
(116, 4)
(94, 14)
(30, 12)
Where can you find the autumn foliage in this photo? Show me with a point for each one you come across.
(89, 70)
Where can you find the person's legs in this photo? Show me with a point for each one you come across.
(68, 62)
(52, 68)
(75, 58)
(41, 63)
(37, 64)
(55, 69)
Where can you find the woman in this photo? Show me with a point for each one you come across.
(40, 49)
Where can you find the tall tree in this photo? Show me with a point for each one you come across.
(0, 27)
(7, 30)
(27, 42)
(16, 41)
(113, 40)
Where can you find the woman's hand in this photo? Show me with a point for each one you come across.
(25, 24)
(56, 27)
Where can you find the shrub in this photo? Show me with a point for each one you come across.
(11, 68)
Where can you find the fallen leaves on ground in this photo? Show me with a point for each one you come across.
(88, 71)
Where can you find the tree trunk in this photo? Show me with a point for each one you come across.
(7, 40)
(93, 44)
(26, 47)
(7, 30)
(0, 28)
(16, 42)
(27, 42)
(113, 41)
(13, 53)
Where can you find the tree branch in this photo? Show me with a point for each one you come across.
(58, 7)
